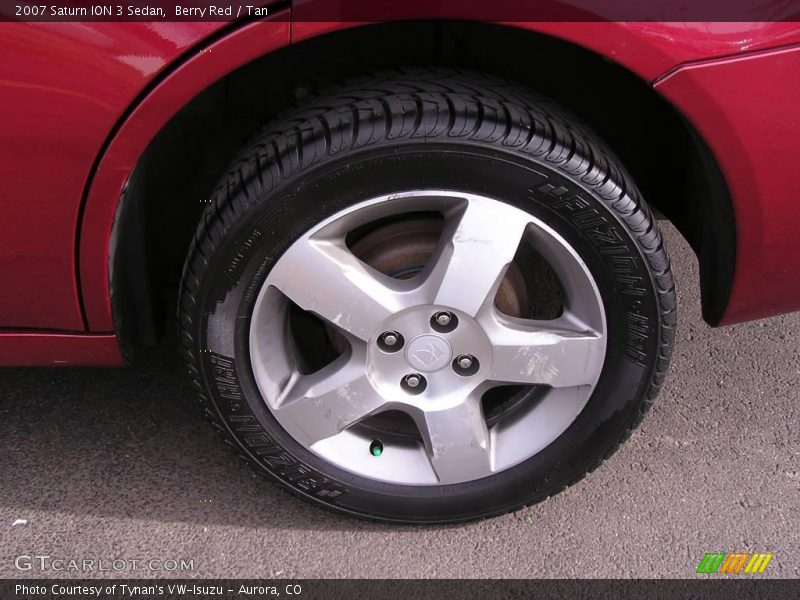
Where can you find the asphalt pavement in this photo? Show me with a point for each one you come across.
(117, 464)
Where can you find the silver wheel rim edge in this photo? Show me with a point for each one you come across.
(320, 275)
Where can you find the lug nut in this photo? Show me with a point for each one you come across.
(390, 341)
(444, 321)
(414, 383)
(466, 365)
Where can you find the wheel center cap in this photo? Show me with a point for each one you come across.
(429, 353)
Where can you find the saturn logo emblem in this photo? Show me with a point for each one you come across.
(428, 353)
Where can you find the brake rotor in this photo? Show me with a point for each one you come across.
(402, 248)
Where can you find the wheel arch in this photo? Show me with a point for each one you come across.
(171, 155)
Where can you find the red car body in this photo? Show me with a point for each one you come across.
(82, 101)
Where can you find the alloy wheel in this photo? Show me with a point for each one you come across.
(420, 352)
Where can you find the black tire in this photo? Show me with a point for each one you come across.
(444, 129)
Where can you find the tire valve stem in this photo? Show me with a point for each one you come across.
(376, 448)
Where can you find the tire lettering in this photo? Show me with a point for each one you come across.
(603, 232)
(225, 381)
(236, 264)
(280, 462)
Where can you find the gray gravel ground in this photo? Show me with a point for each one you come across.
(109, 464)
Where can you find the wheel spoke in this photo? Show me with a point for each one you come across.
(556, 353)
(481, 242)
(325, 403)
(457, 441)
(324, 277)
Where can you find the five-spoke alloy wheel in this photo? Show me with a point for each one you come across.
(458, 345)
(426, 296)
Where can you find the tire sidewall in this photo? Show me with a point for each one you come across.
(591, 224)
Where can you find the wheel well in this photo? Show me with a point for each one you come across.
(669, 162)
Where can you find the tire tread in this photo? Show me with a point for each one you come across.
(447, 103)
